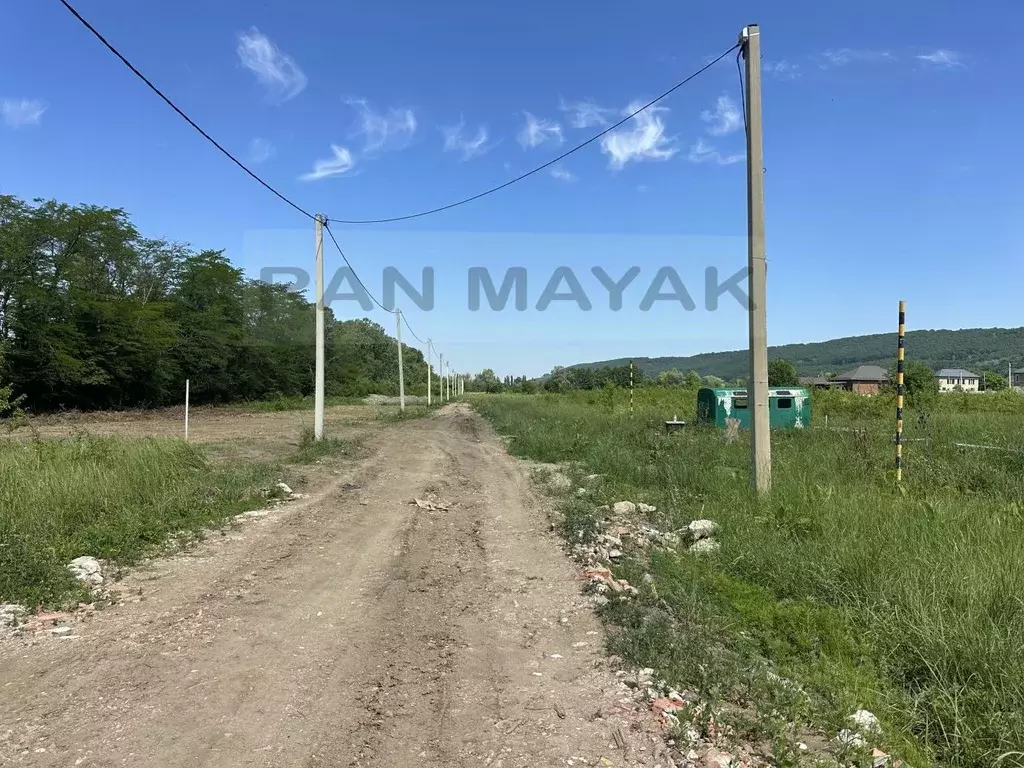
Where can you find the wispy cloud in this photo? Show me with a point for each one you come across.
(645, 139)
(341, 163)
(274, 70)
(537, 131)
(943, 58)
(456, 140)
(380, 129)
(839, 57)
(782, 69)
(702, 152)
(21, 112)
(562, 174)
(585, 113)
(726, 118)
(260, 150)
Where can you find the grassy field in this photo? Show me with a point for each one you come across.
(118, 499)
(907, 602)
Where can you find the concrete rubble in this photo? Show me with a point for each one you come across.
(87, 571)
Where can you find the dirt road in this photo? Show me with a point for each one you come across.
(349, 629)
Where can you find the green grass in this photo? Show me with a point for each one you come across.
(392, 413)
(907, 602)
(117, 499)
(293, 403)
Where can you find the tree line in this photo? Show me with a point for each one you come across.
(94, 315)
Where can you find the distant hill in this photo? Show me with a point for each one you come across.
(974, 348)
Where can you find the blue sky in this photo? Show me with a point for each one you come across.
(891, 148)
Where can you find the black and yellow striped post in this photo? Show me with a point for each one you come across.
(631, 387)
(899, 392)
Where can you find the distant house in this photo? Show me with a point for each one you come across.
(957, 378)
(864, 379)
(815, 382)
(1017, 380)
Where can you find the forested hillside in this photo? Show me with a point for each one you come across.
(976, 348)
(95, 315)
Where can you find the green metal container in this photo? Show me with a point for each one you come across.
(788, 408)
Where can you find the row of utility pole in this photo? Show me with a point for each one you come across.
(450, 384)
(760, 438)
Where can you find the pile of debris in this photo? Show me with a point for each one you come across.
(619, 528)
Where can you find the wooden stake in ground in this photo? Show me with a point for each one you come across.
(899, 391)
(186, 410)
(757, 387)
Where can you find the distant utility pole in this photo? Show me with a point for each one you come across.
(428, 373)
(318, 386)
(757, 394)
(440, 377)
(401, 372)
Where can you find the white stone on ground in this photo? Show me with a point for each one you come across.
(87, 570)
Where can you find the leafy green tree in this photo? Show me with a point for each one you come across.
(671, 378)
(713, 381)
(919, 382)
(782, 373)
(993, 381)
(692, 380)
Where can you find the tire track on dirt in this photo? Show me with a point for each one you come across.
(353, 629)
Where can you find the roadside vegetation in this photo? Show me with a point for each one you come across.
(118, 499)
(839, 591)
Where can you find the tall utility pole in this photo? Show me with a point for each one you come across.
(401, 372)
(757, 387)
(440, 377)
(318, 385)
(428, 373)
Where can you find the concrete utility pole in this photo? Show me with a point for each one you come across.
(757, 387)
(440, 377)
(401, 372)
(318, 386)
(428, 373)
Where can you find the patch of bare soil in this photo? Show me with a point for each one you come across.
(351, 628)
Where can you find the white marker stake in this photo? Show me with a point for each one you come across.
(428, 373)
(401, 374)
(186, 410)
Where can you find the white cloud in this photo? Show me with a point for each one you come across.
(260, 150)
(22, 112)
(562, 174)
(585, 113)
(782, 69)
(641, 188)
(538, 131)
(455, 140)
(705, 153)
(838, 57)
(644, 140)
(378, 129)
(341, 163)
(725, 119)
(943, 58)
(275, 71)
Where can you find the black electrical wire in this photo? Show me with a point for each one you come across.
(177, 109)
(353, 270)
(549, 163)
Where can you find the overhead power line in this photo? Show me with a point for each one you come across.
(177, 109)
(353, 270)
(373, 298)
(406, 321)
(549, 163)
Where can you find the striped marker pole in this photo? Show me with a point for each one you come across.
(631, 387)
(899, 392)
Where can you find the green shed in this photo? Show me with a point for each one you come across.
(787, 408)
